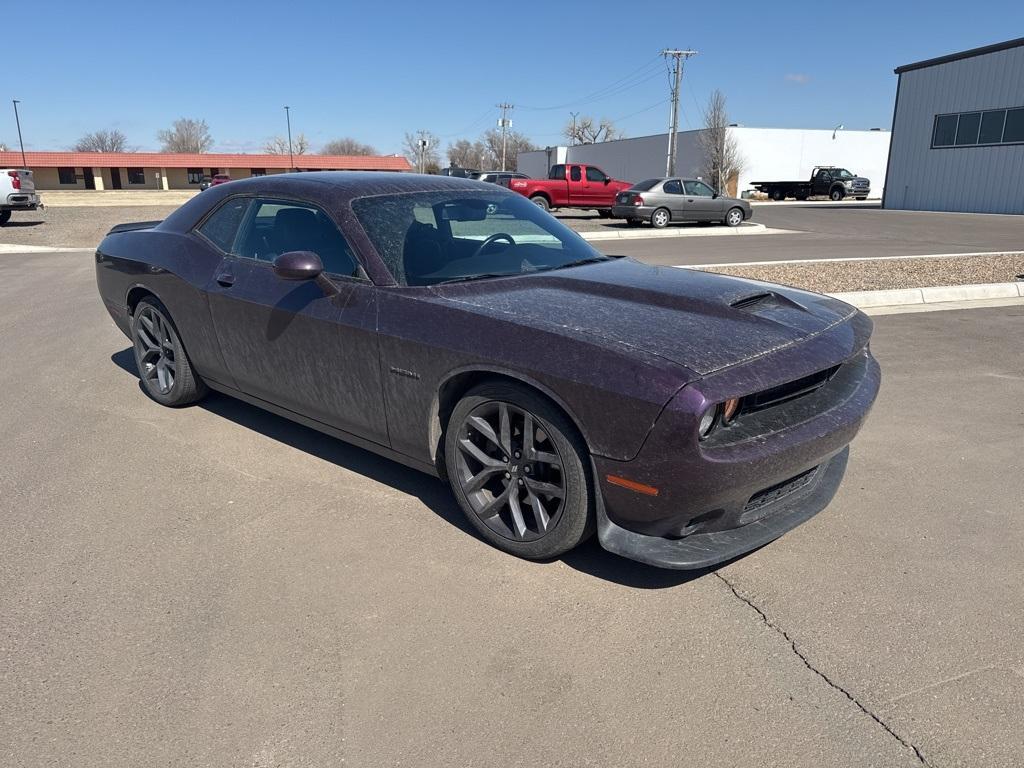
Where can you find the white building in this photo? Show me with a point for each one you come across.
(958, 133)
(770, 154)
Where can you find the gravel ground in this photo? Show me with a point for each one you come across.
(75, 227)
(880, 274)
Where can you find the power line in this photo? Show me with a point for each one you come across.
(612, 89)
(680, 56)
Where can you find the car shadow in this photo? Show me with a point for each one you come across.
(12, 224)
(589, 558)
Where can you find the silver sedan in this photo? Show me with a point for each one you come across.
(663, 201)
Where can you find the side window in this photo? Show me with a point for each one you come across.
(279, 226)
(557, 172)
(221, 227)
(698, 189)
(595, 174)
(574, 173)
(673, 187)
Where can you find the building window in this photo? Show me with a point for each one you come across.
(257, 171)
(66, 176)
(136, 176)
(973, 129)
(195, 175)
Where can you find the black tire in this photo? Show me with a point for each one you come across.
(661, 218)
(836, 194)
(604, 213)
(862, 198)
(5, 216)
(734, 217)
(573, 520)
(634, 222)
(801, 198)
(541, 202)
(778, 194)
(164, 368)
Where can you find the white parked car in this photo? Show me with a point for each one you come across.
(17, 192)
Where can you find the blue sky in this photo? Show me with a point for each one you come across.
(375, 70)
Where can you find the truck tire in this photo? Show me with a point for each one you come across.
(801, 196)
(5, 216)
(660, 218)
(541, 202)
(604, 213)
(836, 194)
(778, 194)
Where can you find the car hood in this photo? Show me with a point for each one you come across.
(702, 321)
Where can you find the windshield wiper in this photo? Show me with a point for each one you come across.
(481, 276)
(579, 262)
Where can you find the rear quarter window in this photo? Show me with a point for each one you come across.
(221, 227)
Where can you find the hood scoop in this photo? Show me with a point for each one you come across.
(763, 300)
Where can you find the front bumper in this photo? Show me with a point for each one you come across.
(858, 191)
(749, 483)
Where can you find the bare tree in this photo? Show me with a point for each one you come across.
(424, 159)
(585, 130)
(468, 154)
(278, 145)
(348, 146)
(102, 141)
(514, 144)
(723, 161)
(186, 135)
(3, 147)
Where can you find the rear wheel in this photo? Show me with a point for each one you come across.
(517, 468)
(541, 202)
(5, 216)
(734, 217)
(836, 194)
(604, 213)
(660, 218)
(163, 364)
(778, 194)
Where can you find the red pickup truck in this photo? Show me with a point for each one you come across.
(572, 186)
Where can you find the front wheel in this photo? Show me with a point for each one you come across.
(836, 195)
(541, 202)
(5, 216)
(517, 468)
(660, 218)
(734, 217)
(164, 367)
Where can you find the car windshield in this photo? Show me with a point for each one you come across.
(645, 186)
(427, 238)
(841, 173)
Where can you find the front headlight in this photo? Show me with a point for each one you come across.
(707, 421)
(847, 184)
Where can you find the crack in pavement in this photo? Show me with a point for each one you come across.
(792, 644)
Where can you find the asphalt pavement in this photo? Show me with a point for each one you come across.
(216, 586)
(823, 230)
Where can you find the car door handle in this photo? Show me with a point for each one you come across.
(225, 279)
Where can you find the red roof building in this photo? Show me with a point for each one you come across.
(159, 170)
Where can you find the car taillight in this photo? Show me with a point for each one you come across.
(638, 200)
(16, 184)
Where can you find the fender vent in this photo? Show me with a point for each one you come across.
(749, 301)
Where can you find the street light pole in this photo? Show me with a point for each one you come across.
(291, 157)
(21, 143)
(837, 128)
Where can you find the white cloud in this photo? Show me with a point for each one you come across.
(799, 78)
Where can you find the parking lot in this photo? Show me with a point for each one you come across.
(218, 586)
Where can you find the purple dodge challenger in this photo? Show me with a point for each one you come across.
(455, 327)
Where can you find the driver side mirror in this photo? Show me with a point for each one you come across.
(298, 265)
(607, 181)
(714, 195)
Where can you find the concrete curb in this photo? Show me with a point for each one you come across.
(938, 294)
(14, 248)
(650, 234)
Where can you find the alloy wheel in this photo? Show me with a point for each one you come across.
(735, 218)
(154, 350)
(510, 471)
(660, 218)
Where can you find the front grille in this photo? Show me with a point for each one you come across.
(788, 391)
(775, 493)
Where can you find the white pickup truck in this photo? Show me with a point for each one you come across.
(17, 192)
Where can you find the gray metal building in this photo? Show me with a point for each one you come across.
(958, 133)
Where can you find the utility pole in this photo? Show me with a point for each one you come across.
(572, 139)
(677, 77)
(421, 163)
(504, 124)
(291, 157)
(21, 143)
